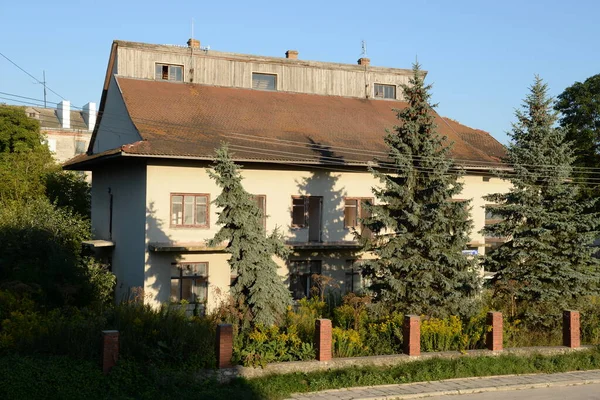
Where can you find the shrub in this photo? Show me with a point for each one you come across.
(346, 343)
(303, 319)
(383, 335)
(441, 334)
(266, 345)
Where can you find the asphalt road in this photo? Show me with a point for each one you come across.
(579, 392)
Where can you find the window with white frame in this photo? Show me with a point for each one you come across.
(190, 210)
(189, 282)
(382, 91)
(168, 72)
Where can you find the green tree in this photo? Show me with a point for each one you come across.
(68, 189)
(252, 250)
(579, 105)
(546, 265)
(18, 133)
(419, 232)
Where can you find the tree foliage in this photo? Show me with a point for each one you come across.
(251, 249)
(579, 105)
(546, 263)
(419, 231)
(18, 133)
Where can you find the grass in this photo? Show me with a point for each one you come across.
(66, 378)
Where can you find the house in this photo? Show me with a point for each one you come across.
(68, 131)
(304, 132)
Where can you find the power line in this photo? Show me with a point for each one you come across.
(36, 79)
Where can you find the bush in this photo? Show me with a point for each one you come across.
(383, 335)
(303, 319)
(441, 334)
(266, 345)
(346, 343)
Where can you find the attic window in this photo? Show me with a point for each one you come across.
(167, 72)
(264, 81)
(385, 91)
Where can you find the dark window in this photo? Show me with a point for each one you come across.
(80, 146)
(299, 211)
(264, 81)
(190, 210)
(166, 72)
(353, 281)
(189, 282)
(491, 218)
(301, 272)
(385, 91)
(261, 202)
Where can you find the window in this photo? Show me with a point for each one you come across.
(353, 281)
(354, 210)
(80, 146)
(491, 218)
(190, 210)
(264, 81)
(301, 272)
(166, 72)
(52, 145)
(261, 202)
(385, 91)
(299, 212)
(189, 282)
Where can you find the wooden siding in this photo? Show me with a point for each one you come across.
(224, 69)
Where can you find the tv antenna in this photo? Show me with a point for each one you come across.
(363, 45)
(43, 83)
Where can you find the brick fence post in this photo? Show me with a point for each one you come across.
(411, 335)
(571, 332)
(494, 336)
(110, 350)
(323, 340)
(224, 345)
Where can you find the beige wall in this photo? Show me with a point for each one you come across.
(63, 143)
(235, 70)
(279, 185)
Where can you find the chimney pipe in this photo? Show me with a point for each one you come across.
(291, 54)
(193, 43)
(63, 111)
(89, 115)
(364, 61)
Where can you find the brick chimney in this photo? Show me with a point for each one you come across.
(63, 112)
(193, 43)
(364, 61)
(89, 115)
(291, 54)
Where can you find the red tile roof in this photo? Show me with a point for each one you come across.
(191, 120)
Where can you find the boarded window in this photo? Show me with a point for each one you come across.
(298, 211)
(264, 81)
(384, 91)
(189, 282)
(167, 72)
(301, 272)
(189, 210)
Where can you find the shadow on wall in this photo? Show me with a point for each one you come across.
(158, 264)
(322, 196)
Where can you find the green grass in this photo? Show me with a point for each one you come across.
(65, 378)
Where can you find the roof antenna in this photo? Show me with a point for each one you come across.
(364, 48)
(192, 28)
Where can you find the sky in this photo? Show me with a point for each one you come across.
(481, 56)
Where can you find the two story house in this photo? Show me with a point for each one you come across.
(304, 133)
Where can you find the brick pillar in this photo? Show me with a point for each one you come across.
(494, 336)
(110, 350)
(224, 345)
(323, 339)
(571, 333)
(411, 335)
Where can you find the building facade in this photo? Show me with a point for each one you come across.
(304, 132)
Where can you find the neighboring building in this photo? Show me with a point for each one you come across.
(304, 132)
(68, 132)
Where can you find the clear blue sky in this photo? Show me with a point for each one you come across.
(481, 55)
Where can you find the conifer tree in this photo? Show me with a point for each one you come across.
(418, 231)
(546, 265)
(258, 284)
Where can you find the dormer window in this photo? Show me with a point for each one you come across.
(264, 81)
(385, 91)
(167, 72)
